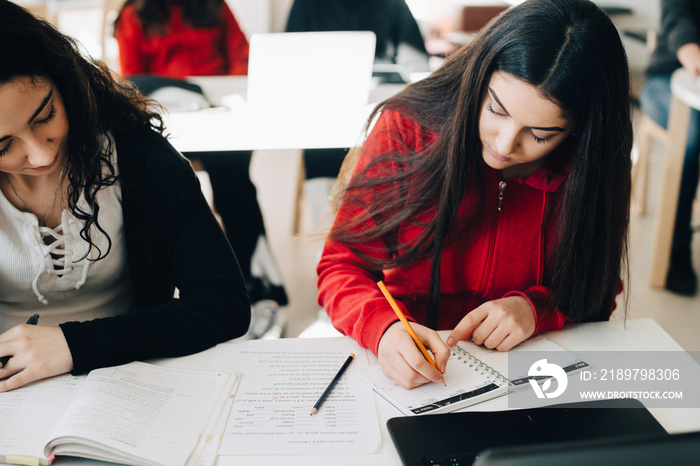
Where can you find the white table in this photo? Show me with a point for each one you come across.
(239, 127)
(635, 335)
(685, 96)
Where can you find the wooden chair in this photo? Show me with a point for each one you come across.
(298, 202)
(346, 171)
(649, 131)
(341, 182)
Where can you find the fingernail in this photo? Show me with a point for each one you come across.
(443, 368)
(450, 341)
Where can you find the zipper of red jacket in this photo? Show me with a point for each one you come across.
(492, 238)
(501, 190)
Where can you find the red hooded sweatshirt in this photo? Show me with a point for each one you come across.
(503, 253)
(182, 50)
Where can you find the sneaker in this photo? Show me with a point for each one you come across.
(262, 318)
(681, 278)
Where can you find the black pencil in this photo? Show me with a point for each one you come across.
(320, 401)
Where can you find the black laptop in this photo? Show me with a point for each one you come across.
(633, 450)
(458, 438)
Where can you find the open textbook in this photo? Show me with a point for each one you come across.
(474, 374)
(136, 413)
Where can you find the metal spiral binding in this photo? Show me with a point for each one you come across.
(477, 364)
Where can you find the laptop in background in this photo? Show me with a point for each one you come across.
(461, 436)
(303, 73)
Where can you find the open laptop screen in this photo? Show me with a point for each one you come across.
(298, 72)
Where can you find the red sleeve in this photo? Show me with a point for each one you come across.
(235, 43)
(347, 287)
(547, 317)
(133, 58)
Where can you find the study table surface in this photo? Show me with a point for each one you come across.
(235, 126)
(617, 335)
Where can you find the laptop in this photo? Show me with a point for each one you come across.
(652, 449)
(458, 438)
(306, 72)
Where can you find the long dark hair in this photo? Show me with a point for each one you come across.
(95, 103)
(155, 14)
(571, 52)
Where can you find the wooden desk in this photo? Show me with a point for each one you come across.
(635, 335)
(239, 127)
(685, 96)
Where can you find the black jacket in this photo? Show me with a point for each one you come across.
(680, 25)
(172, 241)
(390, 20)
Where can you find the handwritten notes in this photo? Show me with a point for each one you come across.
(282, 379)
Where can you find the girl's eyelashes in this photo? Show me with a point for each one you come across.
(43, 121)
(48, 119)
(537, 139)
(6, 149)
(490, 108)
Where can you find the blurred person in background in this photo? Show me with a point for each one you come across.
(163, 41)
(678, 46)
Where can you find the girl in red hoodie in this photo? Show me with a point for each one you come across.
(179, 38)
(492, 197)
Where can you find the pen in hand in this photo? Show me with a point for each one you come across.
(320, 401)
(33, 320)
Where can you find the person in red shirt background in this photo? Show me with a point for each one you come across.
(178, 38)
(491, 197)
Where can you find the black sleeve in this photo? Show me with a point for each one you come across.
(298, 19)
(407, 30)
(678, 24)
(173, 241)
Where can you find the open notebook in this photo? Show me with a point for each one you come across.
(474, 374)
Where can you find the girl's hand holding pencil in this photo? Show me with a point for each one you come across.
(402, 351)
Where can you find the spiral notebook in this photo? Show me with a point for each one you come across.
(474, 374)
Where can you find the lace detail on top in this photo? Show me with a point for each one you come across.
(58, 261)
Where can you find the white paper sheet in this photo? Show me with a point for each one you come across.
(281, 381)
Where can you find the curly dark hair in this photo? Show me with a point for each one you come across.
(96, 102)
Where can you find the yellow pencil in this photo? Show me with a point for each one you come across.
(405, 323)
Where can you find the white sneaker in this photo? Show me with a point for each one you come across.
(262, 318)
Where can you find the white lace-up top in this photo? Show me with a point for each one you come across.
(54, 279)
